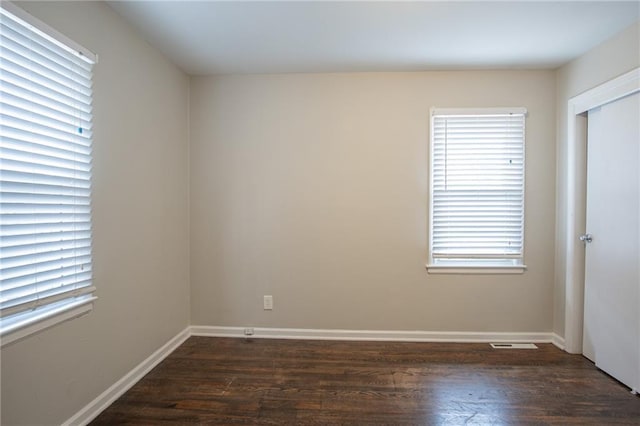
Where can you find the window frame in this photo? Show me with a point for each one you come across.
(470, 265)
(55, 309)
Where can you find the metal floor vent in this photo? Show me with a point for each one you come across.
(513, 346)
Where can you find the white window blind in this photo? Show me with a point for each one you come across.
(45, 177)
(477, 187)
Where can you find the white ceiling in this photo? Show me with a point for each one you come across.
(221, 37)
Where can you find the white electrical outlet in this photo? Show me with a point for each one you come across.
(268, 303)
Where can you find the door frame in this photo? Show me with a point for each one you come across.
(574, 172)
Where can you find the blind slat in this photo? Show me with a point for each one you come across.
(33, 259)
(48, 299)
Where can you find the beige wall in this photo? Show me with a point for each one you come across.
(614, 57)
(313, 189)
(140, 226)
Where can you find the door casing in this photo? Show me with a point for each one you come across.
(574, 172)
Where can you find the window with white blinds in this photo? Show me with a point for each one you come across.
(45, 176)
(477, 188)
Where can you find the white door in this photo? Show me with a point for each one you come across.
(612, 279)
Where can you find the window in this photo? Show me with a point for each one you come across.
(45, 176)
(477, 190)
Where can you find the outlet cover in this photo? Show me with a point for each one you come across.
(268, 303)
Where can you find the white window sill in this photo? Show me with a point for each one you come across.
(47, 319)
(476, 269)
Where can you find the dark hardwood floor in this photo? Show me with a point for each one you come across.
(261, 381)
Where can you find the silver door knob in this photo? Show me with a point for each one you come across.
(586, 238)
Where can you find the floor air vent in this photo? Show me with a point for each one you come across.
(513, 346)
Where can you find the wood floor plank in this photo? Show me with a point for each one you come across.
(275, 382)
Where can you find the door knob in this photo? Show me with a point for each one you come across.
(586, 238)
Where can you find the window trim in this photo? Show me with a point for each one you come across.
(79, 302)
(502, 264)
(51, 33)
(476, 270)
(48, 320)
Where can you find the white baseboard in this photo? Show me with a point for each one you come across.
(95, 407)
(374, 335)
(557, 341)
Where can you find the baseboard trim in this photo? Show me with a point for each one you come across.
(558, 341)
(99, 404)
(373, 335)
